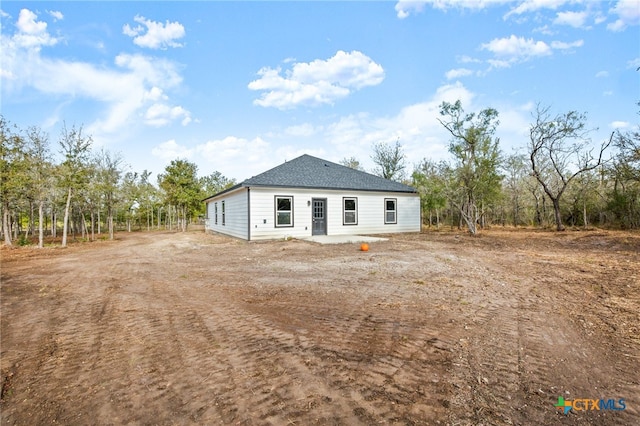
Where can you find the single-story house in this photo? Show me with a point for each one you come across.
(310, 196)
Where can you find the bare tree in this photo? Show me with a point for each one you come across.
(352, 163)
(559, 152)
(390, 160)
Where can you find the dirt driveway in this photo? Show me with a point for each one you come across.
(435, 328)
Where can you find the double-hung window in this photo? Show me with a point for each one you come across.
(350, 211)
(390, 210)
(284, 211)
(223, 218)
(215, 213)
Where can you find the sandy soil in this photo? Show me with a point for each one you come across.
(434, 328)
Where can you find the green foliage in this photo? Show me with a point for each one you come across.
(181, 185)
(429, 181)
(76, 148)
(476, 159)
(23, 240)
(214, 183)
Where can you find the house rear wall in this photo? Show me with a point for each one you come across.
(370, 213)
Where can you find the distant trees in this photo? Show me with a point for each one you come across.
(476, 153)
(352, 163)
(428, 178)
(182, 189)
(516, 177)
(214, 183)
(74, 169)
(390, 160)
(624, 200)
(108, 171)
(556, 178)
(40, 172)
(90, 191)
(13, 171)
(559, 152)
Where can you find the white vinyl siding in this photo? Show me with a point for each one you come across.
(232, 210)
(369, 212)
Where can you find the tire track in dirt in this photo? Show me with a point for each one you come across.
(209, 330)
(519, 357)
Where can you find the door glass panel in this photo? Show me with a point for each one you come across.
(318, 210)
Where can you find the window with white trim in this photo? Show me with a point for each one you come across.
(223, 218)
(349, 211)
(390, 210)
(215, 213)
(284, 211)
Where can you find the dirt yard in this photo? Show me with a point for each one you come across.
(433, 328)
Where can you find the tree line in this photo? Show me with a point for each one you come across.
(88, 194)
(557, 179)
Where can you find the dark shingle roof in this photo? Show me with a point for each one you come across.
(311, 172)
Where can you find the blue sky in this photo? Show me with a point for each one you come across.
(240, 87)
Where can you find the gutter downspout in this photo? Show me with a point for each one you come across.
(248, 213)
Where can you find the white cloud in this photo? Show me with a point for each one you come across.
(32, 33)
(561, 45)
(517, 48)
(157, 36)
(599, 18)
(171, 150)
(511, 50)
(498, 63)
(404, 8)
(155, 94)
(158, 115)
(317, 82)
(545, 29)
(234, 150)
(628, 12)
(620, 124)
(127, 91)
(56, 15)
(457, 73)
(464, 59)
(602, 74)
(634, 63)
(527, 6)
(415, 126)
(233, 156)
(573, 19)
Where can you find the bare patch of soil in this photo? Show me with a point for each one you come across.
(434, 328)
